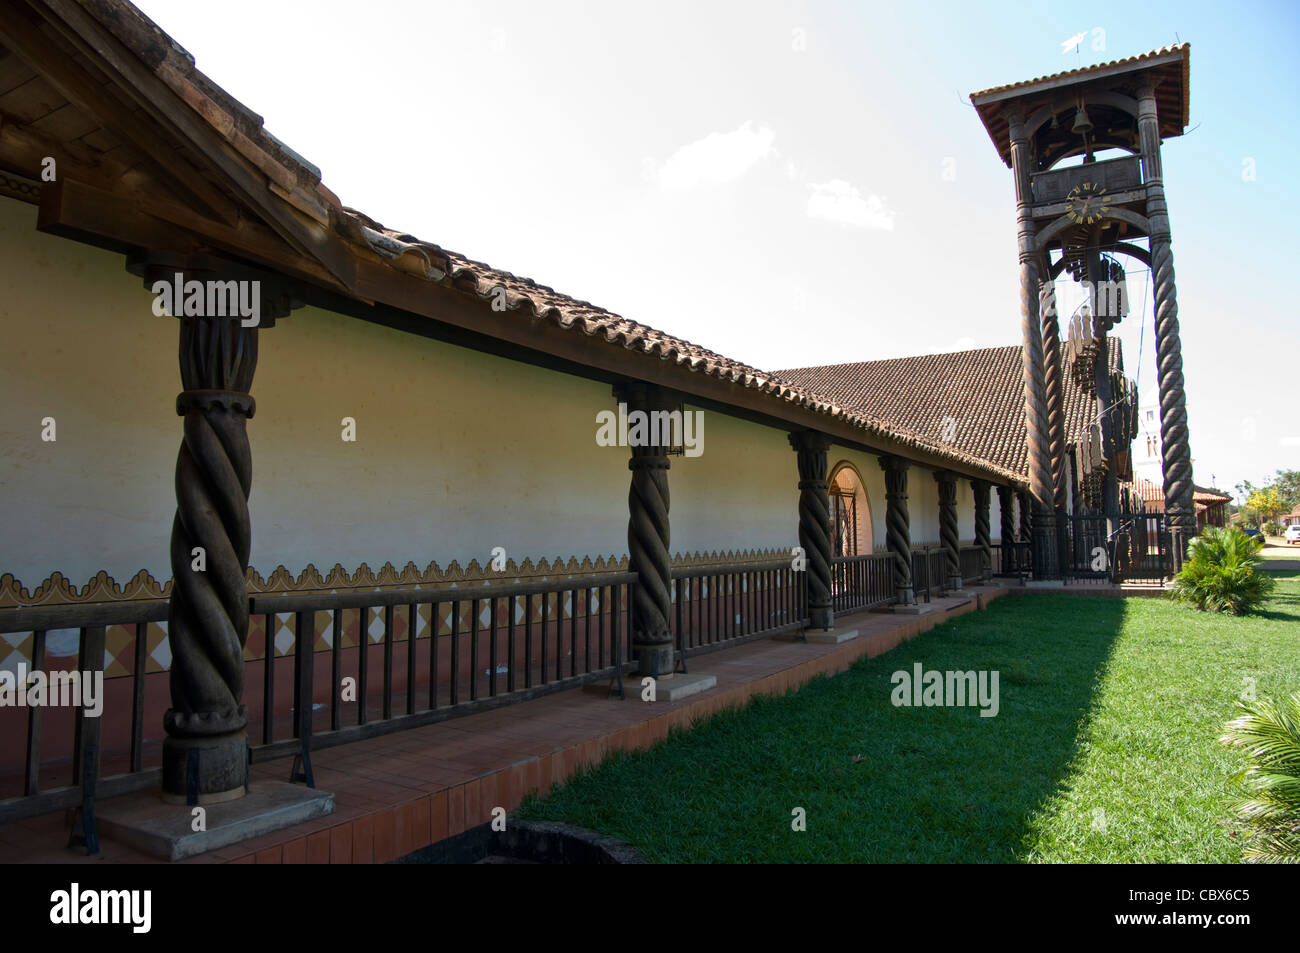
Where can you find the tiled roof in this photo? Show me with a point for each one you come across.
(974, 400)
(1170, 67)
(1083, 71)
(538, 302)
(1152, 493)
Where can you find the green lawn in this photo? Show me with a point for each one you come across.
(1103, 749)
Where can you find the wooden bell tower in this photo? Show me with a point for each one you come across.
(1076, 217)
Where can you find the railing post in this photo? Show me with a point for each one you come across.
(86, 736)
(304, 661)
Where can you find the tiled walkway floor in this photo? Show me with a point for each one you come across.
(397, 793)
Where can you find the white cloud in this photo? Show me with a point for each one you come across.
(1290, 441)
(838, 201)
(718, 158)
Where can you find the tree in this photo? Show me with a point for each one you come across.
(1268, 504)
(1287, 484)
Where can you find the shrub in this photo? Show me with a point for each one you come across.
(1221, 573)
(1270, 816)
(1272, 529)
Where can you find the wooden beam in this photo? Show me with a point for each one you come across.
(78, 210)
(166, 108)
(72, 82)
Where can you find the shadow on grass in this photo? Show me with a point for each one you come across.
(876, 782)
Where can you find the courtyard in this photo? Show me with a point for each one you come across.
(1103, 750)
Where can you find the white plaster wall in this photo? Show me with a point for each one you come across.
(923, 506)
(456, 451)
(742, 492)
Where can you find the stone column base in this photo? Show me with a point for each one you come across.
(219, 764)
(654, 658)
(150, 824)
(830, 637)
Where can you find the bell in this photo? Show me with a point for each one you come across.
(1082, 124)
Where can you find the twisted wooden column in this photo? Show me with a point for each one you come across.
(898, 534)
(948, 532)
(815, 523)
(1053, 390)
(207, 619)
(982, 528)
(205, 752)
(1007, 517)
(1176, 454)
(648, 538)
(1025, 506)
(1038, 433)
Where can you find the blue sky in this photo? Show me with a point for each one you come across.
(767, 179)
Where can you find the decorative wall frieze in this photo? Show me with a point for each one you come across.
(21, 188)
(58, 590)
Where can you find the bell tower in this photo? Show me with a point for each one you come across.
(1075, 214)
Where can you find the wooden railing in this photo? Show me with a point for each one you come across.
(714, 606)
(974, 568)
(1012, 559)
(492, 645)
(327, 668)
(862, 582)
(928, 573)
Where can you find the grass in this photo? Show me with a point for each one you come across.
(1103, 751)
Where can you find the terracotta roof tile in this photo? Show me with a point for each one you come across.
(972, 400)
(1083, 71)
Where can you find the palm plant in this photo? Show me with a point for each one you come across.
(1221, 573)
(1270, 815)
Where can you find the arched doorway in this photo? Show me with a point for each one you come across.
(851, 533)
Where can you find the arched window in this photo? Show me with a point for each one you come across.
(851, 533)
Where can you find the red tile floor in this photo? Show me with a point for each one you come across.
(400, 792)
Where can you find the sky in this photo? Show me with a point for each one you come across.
(789, 183)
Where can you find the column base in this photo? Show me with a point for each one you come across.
(668, 688)
(821, 617)
(147, 823)
(216, 766)
(831, 637)
(654, 658)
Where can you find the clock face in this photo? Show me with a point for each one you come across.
(1087, 203)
